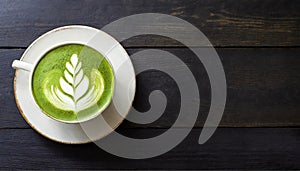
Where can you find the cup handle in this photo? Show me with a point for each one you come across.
(22, 65)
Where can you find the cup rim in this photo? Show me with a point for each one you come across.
(62, 43)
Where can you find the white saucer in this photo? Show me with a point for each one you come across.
(123, 95)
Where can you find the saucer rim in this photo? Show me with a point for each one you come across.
(89, 140)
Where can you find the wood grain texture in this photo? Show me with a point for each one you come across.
(258, 43)
(263, 88)
(229, 148)
(225, 23)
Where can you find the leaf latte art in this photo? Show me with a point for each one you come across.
(75, 92)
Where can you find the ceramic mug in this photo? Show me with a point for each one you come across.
(64, 36)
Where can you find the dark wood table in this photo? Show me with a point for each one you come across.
(258, 43)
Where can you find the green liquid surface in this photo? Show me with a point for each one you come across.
(73, 83)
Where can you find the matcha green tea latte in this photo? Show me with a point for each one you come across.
(73, 83)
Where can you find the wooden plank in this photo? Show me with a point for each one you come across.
(263, 88)
(225, 23)
(229, 148)
(9, 114)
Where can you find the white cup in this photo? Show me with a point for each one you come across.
(62, 36)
